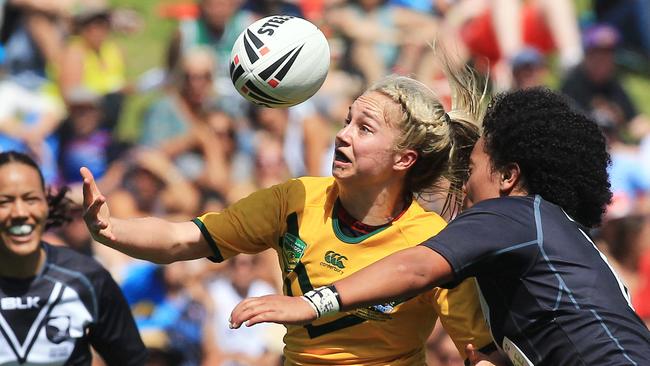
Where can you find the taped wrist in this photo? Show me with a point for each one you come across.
(324, 300)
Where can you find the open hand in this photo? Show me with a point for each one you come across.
(96, 214)
(272, 309)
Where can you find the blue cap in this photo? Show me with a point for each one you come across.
(528, 56)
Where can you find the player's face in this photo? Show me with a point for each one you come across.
(365, 145)
(483, 182)
(23, 210)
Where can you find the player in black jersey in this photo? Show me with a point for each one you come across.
(54, 302)
(538, 181)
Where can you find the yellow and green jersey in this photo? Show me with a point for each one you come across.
(296, 219)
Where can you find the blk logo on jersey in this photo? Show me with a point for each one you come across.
(19, 303)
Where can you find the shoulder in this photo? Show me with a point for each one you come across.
(67, 258)
(420, 224)
(316, 185)
(502, 205)
(77, 270)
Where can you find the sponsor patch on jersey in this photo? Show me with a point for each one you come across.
(379, 312)
(293, 248)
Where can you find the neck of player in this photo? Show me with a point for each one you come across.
(22, 266)
(374, 205)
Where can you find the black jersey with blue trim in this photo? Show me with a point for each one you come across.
(72, 303)
(550, 297)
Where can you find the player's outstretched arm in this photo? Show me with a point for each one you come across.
(148, 238)
(402, 274)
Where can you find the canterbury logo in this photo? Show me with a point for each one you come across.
(335, 259)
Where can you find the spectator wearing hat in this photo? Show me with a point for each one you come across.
(632, 19)
(92, 60)
(528, 68)
(83, 138)
(596, 89)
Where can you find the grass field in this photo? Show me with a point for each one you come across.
(146, 49)
(143, 50)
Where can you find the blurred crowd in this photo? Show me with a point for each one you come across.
(63, 88)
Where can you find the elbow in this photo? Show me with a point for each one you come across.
(417, 278)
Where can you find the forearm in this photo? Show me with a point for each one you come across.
(400, 275)
(156, 240)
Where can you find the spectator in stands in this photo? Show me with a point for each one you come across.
(27, 122)
(304, 135)
(33, 38)
(252, 347)
(83, 138)
(632, 20)
(90, 59)
(499, 29)
(528, 69)
(384, 38)
(216, 144)
(171, 302)
(596, 89)
(219, 24)
(172, 122)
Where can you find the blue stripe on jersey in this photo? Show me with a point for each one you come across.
(499, 252)
(540, 238)
(618, 344)
(562, 285)
(83, 280)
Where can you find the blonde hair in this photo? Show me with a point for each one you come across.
(443, 141)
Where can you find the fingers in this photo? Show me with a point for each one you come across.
(91, 215)
(246, 310)
(90, 190)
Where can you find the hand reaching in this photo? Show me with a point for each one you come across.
(272, 309)
(96, 214)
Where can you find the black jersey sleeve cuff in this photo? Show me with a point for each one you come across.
(217, 257)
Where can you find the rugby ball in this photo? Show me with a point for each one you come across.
(279, 61)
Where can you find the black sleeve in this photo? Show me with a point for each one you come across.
(115, 335)
(479, 241)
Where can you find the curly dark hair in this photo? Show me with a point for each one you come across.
(60, 206)
(562, 154)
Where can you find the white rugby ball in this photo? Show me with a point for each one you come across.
(279, 61)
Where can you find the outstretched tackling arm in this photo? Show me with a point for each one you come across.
(402, 274)
(148, 238)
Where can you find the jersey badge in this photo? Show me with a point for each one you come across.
(293, 248)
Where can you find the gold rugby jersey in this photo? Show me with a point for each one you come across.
(295, 219)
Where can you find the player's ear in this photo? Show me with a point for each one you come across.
(510, 177)
(405, 159)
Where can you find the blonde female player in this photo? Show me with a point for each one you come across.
(397, 141)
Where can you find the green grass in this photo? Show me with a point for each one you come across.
(143, 50)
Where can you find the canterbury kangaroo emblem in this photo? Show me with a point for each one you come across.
(335, 259)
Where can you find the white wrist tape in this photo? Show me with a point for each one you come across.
(324, 300)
